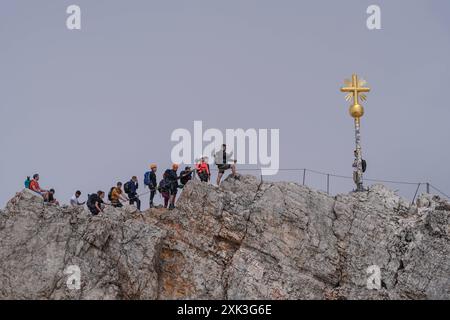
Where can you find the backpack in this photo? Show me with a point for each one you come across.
(27, 183)
(147, 179)
(91, 199)
(170, 176)
(126, 187)
(364, 165)
(163, 185)
(110, 194)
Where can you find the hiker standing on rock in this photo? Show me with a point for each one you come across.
(172, 178)
(95, 202)
(222, 159)
(185, 176)
(131, 190)
(203, 170)
(163, 188)
(151, 183)
(115, 196)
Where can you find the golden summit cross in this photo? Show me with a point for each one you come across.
(355, 89)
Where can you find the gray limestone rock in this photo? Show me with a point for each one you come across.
(244, 240)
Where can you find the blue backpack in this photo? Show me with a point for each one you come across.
(27, 183)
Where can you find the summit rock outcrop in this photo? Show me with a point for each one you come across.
(245, 240)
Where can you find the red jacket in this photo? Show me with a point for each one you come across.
(202, 167)
(34, 185)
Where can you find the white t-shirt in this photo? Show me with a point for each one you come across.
(74, 201)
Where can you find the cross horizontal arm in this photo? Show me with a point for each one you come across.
(350, 89)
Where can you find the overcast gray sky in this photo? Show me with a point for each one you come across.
(87, 108)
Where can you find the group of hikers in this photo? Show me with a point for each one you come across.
(168, 186)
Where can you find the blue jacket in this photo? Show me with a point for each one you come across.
(133, 187)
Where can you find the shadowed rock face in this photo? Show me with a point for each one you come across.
(245, 240)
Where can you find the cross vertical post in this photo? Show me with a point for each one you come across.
(356, 91)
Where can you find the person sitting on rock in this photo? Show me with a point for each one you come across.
(222, 159)
(34, 186)
(49, 197)
(95, 202)
(74, 202)
(116, 196)
(203, 170)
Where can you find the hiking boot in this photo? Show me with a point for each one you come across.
(171, 207)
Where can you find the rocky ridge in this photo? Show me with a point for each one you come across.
(244, 240)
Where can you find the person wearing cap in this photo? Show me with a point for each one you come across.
(152, 183)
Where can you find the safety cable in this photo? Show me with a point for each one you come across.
(442, 193)
(305, 170)
(335, 175)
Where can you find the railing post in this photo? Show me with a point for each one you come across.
(415, 195)
(428, 188)
(328, 183)
(304, 176)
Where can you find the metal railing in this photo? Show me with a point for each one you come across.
(309, 177)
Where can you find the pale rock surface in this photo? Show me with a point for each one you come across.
(244, 240)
